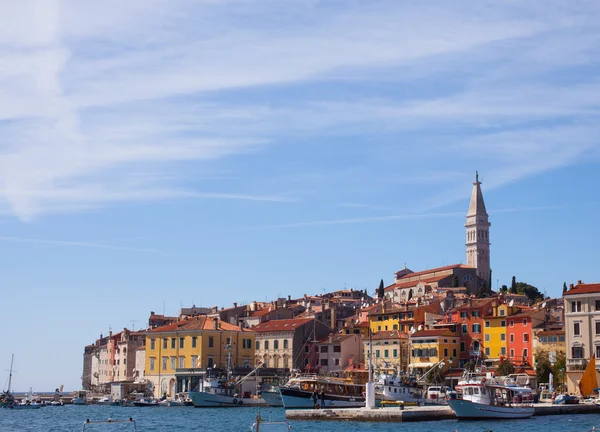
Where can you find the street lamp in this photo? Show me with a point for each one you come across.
(451, 386)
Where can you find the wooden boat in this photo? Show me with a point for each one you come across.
(308, 391)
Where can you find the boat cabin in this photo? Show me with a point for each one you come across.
(493, 394)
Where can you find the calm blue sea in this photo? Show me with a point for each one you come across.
(71, 418)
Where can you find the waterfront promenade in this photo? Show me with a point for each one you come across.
(421, 413)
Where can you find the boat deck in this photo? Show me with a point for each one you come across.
(420, 413)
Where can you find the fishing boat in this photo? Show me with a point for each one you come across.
(108, 401)
(220, 391)
(395, 388)
(7, 398)
(272, 397)
(480, 397)
(146, 403)
(309, 391)
(81, 398)
(27, 403)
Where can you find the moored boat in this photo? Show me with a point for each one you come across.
(479, 397)
(218, 391)
(272, 397)
(309, 391)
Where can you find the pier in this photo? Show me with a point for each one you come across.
(420, 413)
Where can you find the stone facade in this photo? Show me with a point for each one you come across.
(338, 351)
(477, 234)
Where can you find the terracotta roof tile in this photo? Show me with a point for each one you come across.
(280, 325)
(388, 334)
(584, 289)
(200, 323)
(434, 270)
(427, 333)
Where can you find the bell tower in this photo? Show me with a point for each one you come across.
(477, 231)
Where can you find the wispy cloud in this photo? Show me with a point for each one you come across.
(98, 95)
(78, 244)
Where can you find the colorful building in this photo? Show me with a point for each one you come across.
(495, 332)
(175, 352)
(390, 351)
(429, 347)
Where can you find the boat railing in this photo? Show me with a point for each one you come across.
(129, 420)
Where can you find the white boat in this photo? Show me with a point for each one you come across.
(272, 397)
(481, 397)
(219, 392)
(310, 391)
(108, 400)
(394, 388)
(81, 398)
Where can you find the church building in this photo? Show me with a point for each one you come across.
(474, 276)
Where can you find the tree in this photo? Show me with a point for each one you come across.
(505, 368)
(482, 291)
(455, 281)
(543, 367)
(381, 290)
(530, 291)
(564, 288)
(491, 280)
(504, 288)
(513, 286)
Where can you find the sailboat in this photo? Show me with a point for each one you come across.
(6, 398)
(589, 382)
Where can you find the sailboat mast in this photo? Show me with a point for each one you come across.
(12, 358)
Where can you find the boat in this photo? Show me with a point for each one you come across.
(260, 425)
(56, 403)
(219, 391)
(310, 391)
(26, 403)
(272, 397)
(482, 397)
(108, 401)
(146, 403)
(393, 388)
(7, 398)
(81, 398)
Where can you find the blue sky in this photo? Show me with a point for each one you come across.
(157, 154)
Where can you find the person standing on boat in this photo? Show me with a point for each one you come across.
(314, 399)
(322, 396)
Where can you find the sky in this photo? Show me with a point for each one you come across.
(157, 154)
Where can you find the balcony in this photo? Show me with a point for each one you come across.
(576, 363)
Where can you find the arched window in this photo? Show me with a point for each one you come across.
(257, 345)
(276, 344)
(285, 344)
(266, 344)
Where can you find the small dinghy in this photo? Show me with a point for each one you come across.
(107, 421)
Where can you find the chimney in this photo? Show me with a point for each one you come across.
(333, 318)
(151, 313)
(241, 325)
(330, 338)
(570, 286)
(234, 304)
(216, 323)
(578, 282)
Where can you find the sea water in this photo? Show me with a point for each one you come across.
(72, 417)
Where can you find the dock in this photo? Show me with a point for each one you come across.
(420, 413)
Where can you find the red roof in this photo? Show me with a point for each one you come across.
(434, 270)
(401, 285)
(199, 323)
(427, 333)
(551, 333)
(389, 334)
(584, 289)
(261, 312)
(280, 325)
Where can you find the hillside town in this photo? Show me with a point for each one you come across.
(444, 319)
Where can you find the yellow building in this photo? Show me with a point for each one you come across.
(494, 331)
(390, 351)
(175, 351)
(428, 347)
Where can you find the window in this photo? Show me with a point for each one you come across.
(378, 328)
(257, 345)
(512, 337)
(476, 328)
(524, 321)
(597, 351)
(173, 363)
(152, 359)
(395, 327)
(577, 352)
(246, 343)
(487, 324)
(576, 306)
(379, 318)
(465, 329)
(487, 351)
(462, 347)
(275, 344)
(324, 348)
(324, 362)
(503, 337)
(211, 362)
(181, 342)
(445, 352)
(525, 337)
(502, 312)
(164, 362)
(152, 344)
(172, 343)
(194, 361)
(337, 348)
(503, 351)
(395, 353)
(503, 323)
(597, 304)
(525, 353)
(561, 338)
(453, 352)
(576, 330)
(306, 348)
(597, 327)
(487, 337)
(336, 362)
(463, 315)
(211, 341)
(165, 343)
(267, 345)
(285, 344)
(386, 353)
(475, 314)
(194, 341)
(181, 362)
(512, 353)
(511, 323)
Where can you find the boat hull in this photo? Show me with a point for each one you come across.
(273, 399)
(299, 399)
(212, 400)
(470, 410)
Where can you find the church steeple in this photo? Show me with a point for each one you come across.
(477, 231)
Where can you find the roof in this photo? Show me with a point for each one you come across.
(433, 332)
(198, 323)
(584, 289)
(261, 312)
(337, 337)
(411, 284)
(281, 325)
(475, 304)
(434, 270)
(550, 333)
(388, 334)
(476, 206)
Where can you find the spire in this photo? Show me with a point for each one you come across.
(476, 206)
